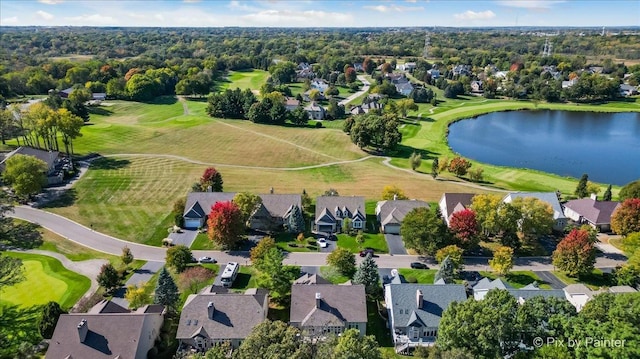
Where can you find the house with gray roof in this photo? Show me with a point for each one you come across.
(523, 294)
(322, 309)
(484, 285)
(579, 294)
(331, 211)
(270, 215)
(549, 197)
(390, 214)
(451, 203)
(404, 88)
(316, 111)
(106, 331)
(590, 211)
(307, 279)
(210, 318)
(415, 311)
(54, 172)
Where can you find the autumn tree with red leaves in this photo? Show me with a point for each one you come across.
(350, 75)
(575, 254)
(465, 227)
(211, 178)
(626, 218)
(226, 224)
(368, 65)
(459, 166)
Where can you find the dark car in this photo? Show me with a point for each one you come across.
(364, 252)
(418, 265)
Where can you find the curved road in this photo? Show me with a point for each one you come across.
(108, 244)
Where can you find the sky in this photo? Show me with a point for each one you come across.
(320, 13)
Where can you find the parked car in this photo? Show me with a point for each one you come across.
(418, 265)
(364, 252)
(207, 260)
(322, 243)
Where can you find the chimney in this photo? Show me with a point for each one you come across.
(83, 329)
(209, 189)
(318, 299)
(419, 298)
(210, 310)
(594, 196)
(395, 197)
(271, 190)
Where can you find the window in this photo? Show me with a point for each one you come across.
(357, 224)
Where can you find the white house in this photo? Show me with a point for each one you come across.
(549, 197)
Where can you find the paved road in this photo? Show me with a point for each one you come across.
(395, 244)
(185, 237)
(104, 243)
(553, 281)
(365, 88)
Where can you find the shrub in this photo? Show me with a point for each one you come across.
(411, 280)
(318, 124)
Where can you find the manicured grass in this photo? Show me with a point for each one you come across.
(594, 280)
(202, 242)
(332, 275)
(250, 79)
(377, 325)
(45, 280)
(422, 276)
(518, 279)
(288, 242)
(75, 252)
(246, 279)
(371, 240)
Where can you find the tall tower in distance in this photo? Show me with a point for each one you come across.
(602, 34)
(547, 50)
(427, 43)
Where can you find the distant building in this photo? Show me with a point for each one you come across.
(451, 203)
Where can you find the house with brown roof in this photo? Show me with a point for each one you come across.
(316, 111)
(390, 214)
(106, 331)
(332, 211)
(210, 318)
(590, 211)
(56, 165)
(270, 215)
(322, 309)
(451, 203)
(290, 103)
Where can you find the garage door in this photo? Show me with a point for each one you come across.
(325, 228)
(392, 229)
(191, 223)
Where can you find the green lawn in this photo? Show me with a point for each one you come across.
(202, 242)
(372, 240)
(251, 79)
(518, 279)
(593, 280)
(246, 279)
(332, 275)
(45, 280)
(422, 276)
(75, 252)
(377, 325)
(289, 243)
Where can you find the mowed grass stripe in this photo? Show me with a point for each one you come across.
(46, 280)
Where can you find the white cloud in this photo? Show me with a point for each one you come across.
(93, 19)
(50, 2)
(298, 18)
(44, 15)
(389, 8)
(472, 15)
(530, 4)
(9, 20)
(191, 1)
(237, 5)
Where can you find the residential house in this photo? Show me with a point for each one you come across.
(358, 67)
(322, 309)
(461, 70)
(560, 221)
(332, 211)
(407, 66)
(304, 66)
(451, 203)
(628, 90)
(397, 78)
(501, 75)
(404, 88)
(307, 96)
(580, 294)
(96, 96)
(415, 311)
(595, 213)
(390, 214)
(551, 70)
(567, 84)
(272, 213)
(316, 111)
(484, 285)
(56, 165)
(211, 318)
(366, 107)
(319, 84)
(106, 331)
(476, 86)
(307, 279)
(291, 103)
(435, 73)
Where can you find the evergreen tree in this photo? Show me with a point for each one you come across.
(607, 194)
(127, 256)
(435, 166)
(49, 319)
(367, 275)
(166, 290)
(581, 190)
(306, 201)
(108, 277)
(415, 160)
(296, 221)
(446, 271)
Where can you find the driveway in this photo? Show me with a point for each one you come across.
(140, 276)
(553, 281)
(186, 237)
(365, 88)
(395, 243)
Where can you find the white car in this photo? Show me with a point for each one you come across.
(322, 243)
(206, 260)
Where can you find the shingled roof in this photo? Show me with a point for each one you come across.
(596, 212)
(339, 304)
(353, 204)
(435, 299)
(395, 211)
(198, 204)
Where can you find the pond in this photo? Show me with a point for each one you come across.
(606, 146)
